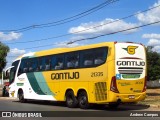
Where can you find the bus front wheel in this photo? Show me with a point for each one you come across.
(21, 97)
(83, 100)
(71, 100)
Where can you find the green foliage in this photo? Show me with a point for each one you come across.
(153, 64)
(3, 53)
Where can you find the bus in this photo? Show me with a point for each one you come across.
(104, 73)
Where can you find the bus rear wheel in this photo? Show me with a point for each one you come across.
(71, 100)
(21, 97)
(83, 100)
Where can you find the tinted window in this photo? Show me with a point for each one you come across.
(41, 63)
(57, 62)
(93, 57)
(78, 59)
(47, 63)
(13, 71)
(100, 56)
(87, 57)
(33, 65)
(44, 63)
(72, 60)
(23, 66)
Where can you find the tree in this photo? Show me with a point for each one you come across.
(153, 64)
(4, 49)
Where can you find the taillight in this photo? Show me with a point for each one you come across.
(114, 85)
(145, 84)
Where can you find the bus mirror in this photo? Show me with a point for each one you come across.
(7, 71)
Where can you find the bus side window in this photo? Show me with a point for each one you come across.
(53, 62)
(33, 66)
(72, 60)
(87, 58)
(30, 62)
(57, 62)
(47, 63)
(100, 56)
(26, 65)
(41, 64)
(20, 71)
(23, 67)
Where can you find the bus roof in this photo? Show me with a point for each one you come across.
(62, 50)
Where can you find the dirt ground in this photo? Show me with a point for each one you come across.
(152, 98)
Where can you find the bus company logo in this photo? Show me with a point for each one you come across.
(131, 49)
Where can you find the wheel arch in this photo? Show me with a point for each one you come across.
(69, 89)
(19, 91)
(77, 92)
(80, 90)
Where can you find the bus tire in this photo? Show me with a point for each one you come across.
(21, 97)
(71, 100)
(83, 100)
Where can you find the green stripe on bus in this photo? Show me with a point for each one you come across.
(34, 84)
(20, 84)
(42, 83)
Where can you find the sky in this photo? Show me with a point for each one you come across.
(34, 25)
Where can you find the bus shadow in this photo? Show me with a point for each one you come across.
(48, 103)
(99, 107)
(122, 107)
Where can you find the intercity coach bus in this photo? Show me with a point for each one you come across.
(104, 73)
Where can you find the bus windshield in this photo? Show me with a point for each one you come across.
(13, 71)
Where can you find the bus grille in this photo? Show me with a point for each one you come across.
(100, 91)
(130, 70)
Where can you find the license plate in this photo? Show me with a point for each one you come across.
(131, 97)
